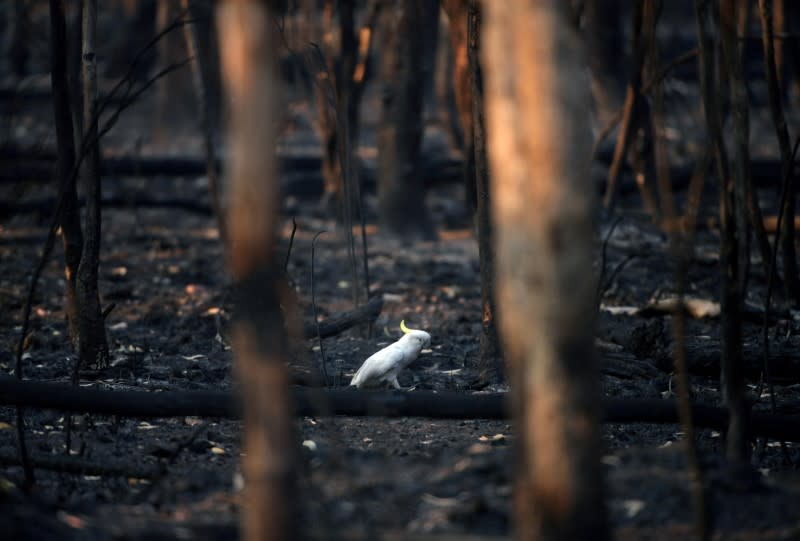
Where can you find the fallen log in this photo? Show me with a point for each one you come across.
(319, 402)
(338, 323)
(703, 359)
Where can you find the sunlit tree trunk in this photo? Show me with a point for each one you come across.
(249, 45)
(401, 193)
(537, 103)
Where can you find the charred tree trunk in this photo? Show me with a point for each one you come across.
(339, 103)
(401, 193)
(430, 33)
(69, 221)
(491, 358)
(17, 30)
(93, 348)
(790, 272)
(326, 116)
(742, 193)
(731, 301)
(635, 115)
(248, 38)
(537, 103)
(462, 91)
(171, 89)
(205, 112)
(605, 51)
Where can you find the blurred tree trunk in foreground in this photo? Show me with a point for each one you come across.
(248, 47)
(401, 193)
(537, 104)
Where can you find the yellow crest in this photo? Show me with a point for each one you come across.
(403, 327)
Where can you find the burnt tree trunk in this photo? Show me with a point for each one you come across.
(462, 91)
(430, 33)
(339, 91)
(491, 358)
(743, 196)
(707, 23)
(537, 102)
(401, 193)
(205, 111)
(69, 221)
(93, 348)
(17, 31)
(249, 41)
(790, 271)
(635, 119)
(606, 54)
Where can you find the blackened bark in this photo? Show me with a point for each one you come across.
(790, 271)
(430, 33)
(69, 222)
(456, 11)
(205, 112)
(15, 47)
(741, 184)
(93, 348)
(339, 103)
(635, 115)
(401, 193)
(731, 302)
(605, 51)
(491, 358)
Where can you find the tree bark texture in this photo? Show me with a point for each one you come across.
(401, 193)
(69, 222)
(93, 348)
(537, 103)
(491, 358)
(249, 45)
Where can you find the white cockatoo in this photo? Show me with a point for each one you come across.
(383, 366)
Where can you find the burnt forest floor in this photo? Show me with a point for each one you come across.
(164, 270)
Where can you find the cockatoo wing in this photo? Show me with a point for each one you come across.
(379, 366)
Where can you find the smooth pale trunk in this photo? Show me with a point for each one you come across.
(537, 105)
